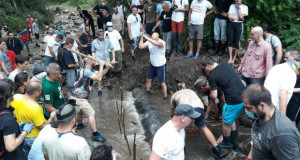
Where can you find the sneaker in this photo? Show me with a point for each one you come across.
(109, 87)
(188, 55)
(217, 152)
(99, 92)
(132, 59)
(196, 57)
(98, 137)
(80, 126)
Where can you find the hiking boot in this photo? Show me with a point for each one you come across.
(99, 92)
(132, 59)
(80, 126)
(216, 49)
(98, 137)
(109, 87)
(226, 143)
(217, 151)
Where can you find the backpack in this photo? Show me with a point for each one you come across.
(275, 54)
(83, 85)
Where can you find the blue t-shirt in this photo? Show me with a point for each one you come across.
(102, 49)
(5, 59)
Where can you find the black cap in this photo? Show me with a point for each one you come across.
(186, 110)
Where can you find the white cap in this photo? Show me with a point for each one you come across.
(109, 24)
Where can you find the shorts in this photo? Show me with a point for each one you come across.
(220, 29)
(37, 36)
(293, 109)
(135, 43)
(108, 73)
(70, 79)
(177, 27)
(83, 107)
(231, 112)
(160, 72)
(196, 30)
(200, 121)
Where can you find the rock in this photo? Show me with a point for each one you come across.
(78, 22)
(66, 11)
(59, 8)
(245, 121)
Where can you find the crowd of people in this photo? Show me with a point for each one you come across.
(39, 115)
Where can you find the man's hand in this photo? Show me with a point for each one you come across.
(130, 37)
(122, 50)
(113, 61)
(224, 14)
(84, 45)
(56, 58)
(52, 114)
(189, 23)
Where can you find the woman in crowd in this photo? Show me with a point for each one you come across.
(21, 81)
(11, 137)
(5, 66)
(236, 15)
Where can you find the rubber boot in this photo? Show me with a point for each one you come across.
(226, 143)
(217, 49)
(222, 49)
(234, 139)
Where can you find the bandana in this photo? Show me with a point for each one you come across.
(295, 67)
(165, 6)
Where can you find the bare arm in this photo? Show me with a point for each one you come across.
(144, 18)
(113, 55)
(283, 101)
(154, 156)
(129, 31)
(209, 12)
(142, 45)
(213, 94)
(52, 53)
(189, 17)
(241, 15)
(11, 142)
(122, 45)
(50, 108)
(278, 50)
(155, 42)
(157, 24)
(186, 8)
(48, 121)
(296, 89)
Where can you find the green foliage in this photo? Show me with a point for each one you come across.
(14, 15)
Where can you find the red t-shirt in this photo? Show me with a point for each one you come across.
(12, 56)
(29, 22)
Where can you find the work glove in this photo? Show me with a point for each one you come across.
(28, 127)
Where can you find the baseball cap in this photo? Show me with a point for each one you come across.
(109, 24)
(186, 110)
(64, 114)
(100, 32)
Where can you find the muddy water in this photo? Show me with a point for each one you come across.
(107, 122)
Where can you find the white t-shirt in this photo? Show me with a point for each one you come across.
(283, 77)
(135, 2)
(120, 9)
(135, 22)
(75, 46)
(168, 143)
(114, 38)
(82, 26)
(179, 16)
(66, 147)
(235, 12)
(13, 74)
(48, 37)
(199, 11)
(55, 45)
(157, 54)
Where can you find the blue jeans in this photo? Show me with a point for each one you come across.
(167, 36)
(26, 44)
(220, 29)
(27, 145)
(49, 60)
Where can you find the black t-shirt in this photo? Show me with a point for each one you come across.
(165, 17)
(106, 19)
(85, 14)
(100, 8)
(141, 7)
(66, 59)
(224, 77)
(223, 6)
(277, 138)
(9, 125)
(85, 39)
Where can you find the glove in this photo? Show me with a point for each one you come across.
(28, 127)
(237, 6)
(21, 126)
